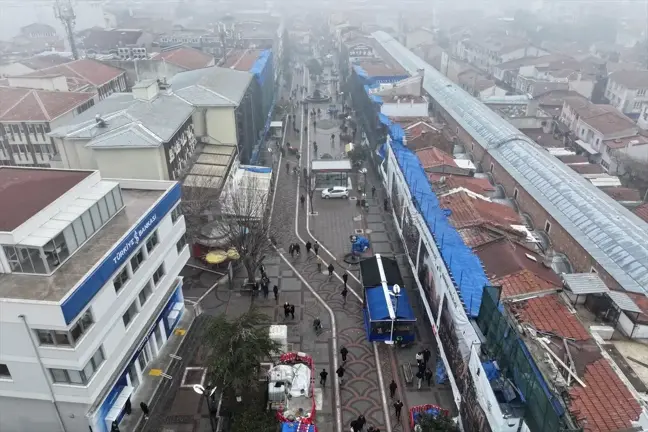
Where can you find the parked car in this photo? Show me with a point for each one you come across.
(335, 192)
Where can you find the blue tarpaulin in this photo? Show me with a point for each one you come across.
(462, 263)
(360, 72)
(433, 411)
(259, 67)
(440, 374)
(384, 119)
(297, 426)
(382, 151)
(375, 99)
(491, 370)
(360, 245)
(377, 304)
(256, 169)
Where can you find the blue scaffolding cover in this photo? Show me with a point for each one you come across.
(462, 263)
(360, 72)
(262, 65)
(296, 426)
(377, 304)
(384, 119)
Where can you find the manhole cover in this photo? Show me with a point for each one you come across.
(358, 231)
(353, 198)
(192, 376)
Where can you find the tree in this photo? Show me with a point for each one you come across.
(245, 223)
(314, 67)
(199, 199)
(309, 185)
(237, 348)
(438, 423)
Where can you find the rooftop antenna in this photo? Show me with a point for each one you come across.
(65, 13)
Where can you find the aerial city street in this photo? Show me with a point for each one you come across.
(340, 216)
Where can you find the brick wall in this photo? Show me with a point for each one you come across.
(561, 241)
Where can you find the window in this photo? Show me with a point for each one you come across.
(641, 92)
(175, 214)
(45, 337)
(152, 242)
(181, 243)
(120, 280)
(145, 294)
(130, 313)
(4, 371)
(515, 194)
(76, 377)
(54, 338)
(637, 105)
(159, 274)
(547, 227)
(82, 325)
(137, 259)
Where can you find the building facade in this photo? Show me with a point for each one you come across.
(90, 294)
(628, 91)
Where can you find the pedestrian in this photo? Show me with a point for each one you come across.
(314, 124)
(344, 352)
(128, 408)
(145, 410)
(428, 377)
(308, 247)
(292, 311)
(392, 389)
(345, 278)
(298, 249)
(426, 356)
(316, 248)
(362, 421)
(265, 289)
(291, 250)
(302, 200)
(373, 191)
(398, 406)
(419, 357)
(275, 291)
(262, 270)
(419, 379)
(386, 204)
(114, 427)
(355, 427)
(319, 266)
(340, 373)
(323, 376)
(421, 367)
(315, 148)
(345, 292)
(286, 310)
(330, 269)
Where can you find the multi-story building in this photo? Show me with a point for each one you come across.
(27, 116)
(85, 75)
(32, 64)
(627, 90)
(126, 44)
(146, 134)
(90, 294)
(486, 53)
(203, 40)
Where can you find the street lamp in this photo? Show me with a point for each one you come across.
(208, 393)
(396, 289)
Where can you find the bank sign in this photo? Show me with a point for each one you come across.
(90, 286)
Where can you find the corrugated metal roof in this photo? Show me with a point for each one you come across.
(624, 302)
(611, 234)
(584, 283)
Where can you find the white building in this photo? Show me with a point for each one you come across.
(89, 294)
(627, 90)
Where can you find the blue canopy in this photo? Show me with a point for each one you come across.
(296, 426)
(259, 66)
(377, 304)
(361, 72)
(384, 119)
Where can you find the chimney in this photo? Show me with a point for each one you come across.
(421, 73)
(146, 90)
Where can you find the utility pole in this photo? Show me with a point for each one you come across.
(65, 13)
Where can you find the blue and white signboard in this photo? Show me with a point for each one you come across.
(90, 286)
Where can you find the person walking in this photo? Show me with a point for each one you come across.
(398, 406)
(426, 356)
(145, 410)
(373, 191)
(298, 249)
(330, 269)
(286, 310)
(323, 376)
(344, 352)
(308, 247)
(392, 389)
(128, 408)
(361, 421)
(340, 373)
(291, 250)
(316, 248)
(345, 278)
(302, 200)
(428, 377)
(345, 292)
(419, 358)
(419, 379)
(275, 291)
(292, 311)
(265, 289)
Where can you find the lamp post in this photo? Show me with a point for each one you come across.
(208, 393)
(396, 293)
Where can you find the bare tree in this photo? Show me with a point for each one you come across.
(633, 171)
(309, 185)
(245, 222)
(199, 199)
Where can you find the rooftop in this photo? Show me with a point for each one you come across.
(102, 40)
(621, 193)
(29, 105)
(241, 59)
(632, 79)
(642, 211)
(212, 86)
(608, 232)
(444, 183)
(549, 314)
(433, 157)
(44, 61)
(381, 68)
(544, 139)
(631, 141)
(480, 234)
(573, 159)
(529, 61)
(187, 58)
(80, 73)
(32, 190)
(587, 168)
(475, 80)
(466, 210)
(604, 118)
(129, 122)
(56, 286)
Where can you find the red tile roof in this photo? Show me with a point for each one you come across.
(81, 73)
(241, 60)
(605, 404)
(549, 314)
(521, 283)
(478, 235)
(642, 211)
(25, 192)
(572, 159)
(21, 104)
(187, 58)
(622, 193)
(631, 141)
(416, 129)
(432, 157)
(480, 186)
(467, 211)
(503, 257)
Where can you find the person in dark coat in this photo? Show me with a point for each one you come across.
(392, 389)
(426, 356)
(428, 377)
(316, 248)
(292, 311)
(345, 278)
(308, 247)
(398, 406)
(340, 373)
(323, 376)
(345, 292)
(128, 408)
(362, 421)
(286, 310)
(266, 289)
(275, 290)
(145, 410)
(330, 269)
(344, 352)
